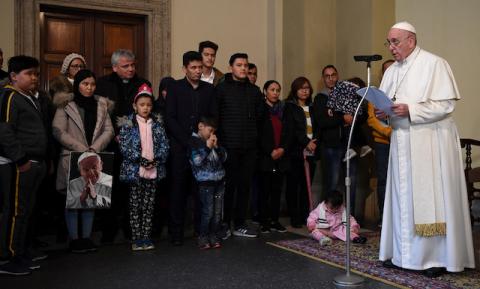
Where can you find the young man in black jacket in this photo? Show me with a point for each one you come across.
(240, 112)
(23, 149)
(187, 100)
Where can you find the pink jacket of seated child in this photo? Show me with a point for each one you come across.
(321, 219)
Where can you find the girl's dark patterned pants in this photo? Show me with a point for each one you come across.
(142, 201)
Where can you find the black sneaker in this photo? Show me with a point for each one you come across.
(35, 255)
(14, 267)
(277, 227)
(256, 219)
(88, 245)
(4, 261)
(224, 232)
(32, 265)
(359, 240)
(245, 231)
(265, 229)
(203, 243)
(77, 246)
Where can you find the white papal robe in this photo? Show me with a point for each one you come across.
(425, 154)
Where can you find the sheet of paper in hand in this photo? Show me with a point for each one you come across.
(378, 98)
(90, 180)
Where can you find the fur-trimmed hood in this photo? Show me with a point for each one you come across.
(58, 84)
(61, 100)
(127, 121)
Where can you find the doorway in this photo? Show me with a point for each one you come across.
(92, 33)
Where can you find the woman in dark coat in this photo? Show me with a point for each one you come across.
(274, 139)
(300, 114)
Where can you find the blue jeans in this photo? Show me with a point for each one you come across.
(382, 152)
(353, 181)
(332, 161)
(211, 207)
(71, 218)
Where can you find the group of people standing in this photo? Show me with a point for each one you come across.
(212, 134)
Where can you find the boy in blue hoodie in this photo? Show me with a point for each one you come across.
(207, 158)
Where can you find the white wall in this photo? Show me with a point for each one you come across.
(354, 36)
(309, 33)
(449, 29)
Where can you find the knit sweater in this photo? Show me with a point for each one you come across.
(381, 132)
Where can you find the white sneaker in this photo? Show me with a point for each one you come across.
(365, 150)
(349, 154)
(325, 241)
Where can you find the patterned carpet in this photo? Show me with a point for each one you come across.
(364, 261)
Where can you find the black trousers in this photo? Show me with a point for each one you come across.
(117, 216)
(18, 191)
(270, 196)
(182, 184)
(239, 167)
(297, 194)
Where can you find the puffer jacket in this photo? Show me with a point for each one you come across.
(240, 106)
(131, 148)
(207, 164)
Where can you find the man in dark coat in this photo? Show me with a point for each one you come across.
(240, 112)
(188, 99)
(120, 86)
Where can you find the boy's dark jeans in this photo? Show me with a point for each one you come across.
(211, 207)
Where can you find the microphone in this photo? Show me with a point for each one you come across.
(367, 58)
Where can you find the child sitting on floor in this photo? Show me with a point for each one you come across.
(329, 221)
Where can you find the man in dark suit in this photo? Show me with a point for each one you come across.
(187, 100)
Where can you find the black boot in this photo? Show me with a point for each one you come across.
(388, 264)
(434, 272)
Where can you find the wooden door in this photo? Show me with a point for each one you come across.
(93, 34)
(111, 33)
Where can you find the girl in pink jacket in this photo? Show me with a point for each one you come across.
(329, 221)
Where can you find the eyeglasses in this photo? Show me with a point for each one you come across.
(77, 66)
(333, 75)
(393, 42)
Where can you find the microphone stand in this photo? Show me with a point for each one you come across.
(347, 280)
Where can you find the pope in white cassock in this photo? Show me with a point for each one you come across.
(426, 221)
